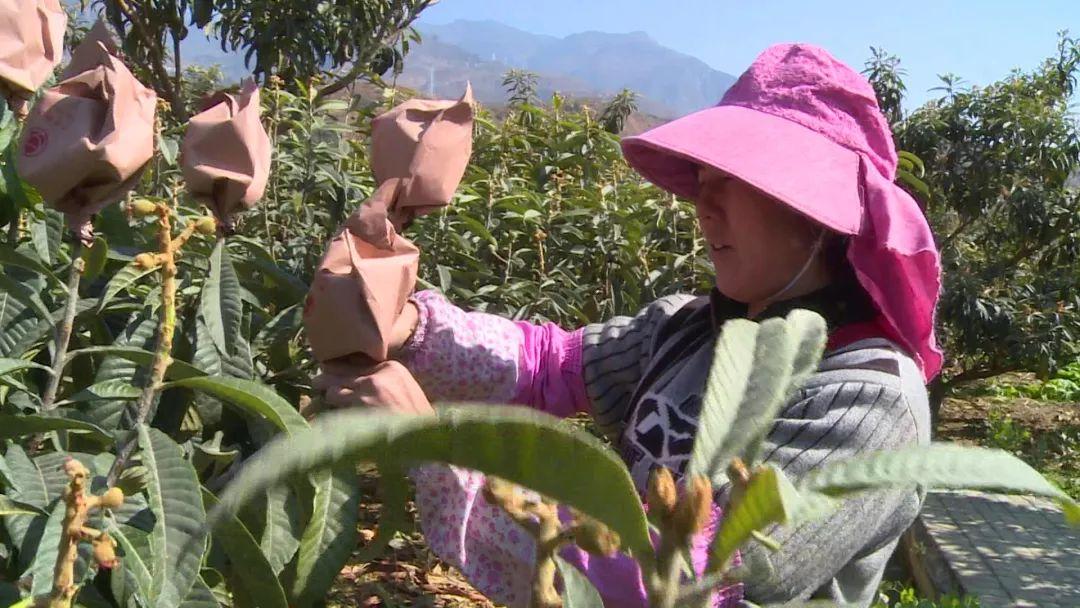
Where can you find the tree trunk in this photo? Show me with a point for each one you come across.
(937, 390)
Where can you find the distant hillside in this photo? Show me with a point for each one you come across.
(592, 64)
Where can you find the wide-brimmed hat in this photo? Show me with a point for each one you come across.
(806, 129)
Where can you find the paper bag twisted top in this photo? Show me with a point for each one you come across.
(419, 151)
(225, 154)
(85, 143)
(31, 44)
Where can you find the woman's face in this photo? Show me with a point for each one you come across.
(756, 243)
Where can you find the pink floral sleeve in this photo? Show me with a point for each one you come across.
(474, 356)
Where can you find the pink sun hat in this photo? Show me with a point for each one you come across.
(806, 129)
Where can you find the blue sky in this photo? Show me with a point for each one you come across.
(979, 41)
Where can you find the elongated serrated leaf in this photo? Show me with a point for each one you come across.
(178, 369)
(11, 257)
(107, 389)
(740, 398)
(937, 466)
(330, 534)
(752, 373)
(19, 425)
(284, 325)
(10, 507)
(25, 295)
(250, 396)
(39, 238)
(258, 262)
(175, 499)
(577, 591)
(134, 579)
(30, 484)
(220, 304)
(769, 498)
(201, 596)
(126, 277)
(208, 357)
(8, 366)
(251, 567)
(281, 532)
(94, 258)
(525, 447)
(44, 564)
(920, 168)
(20, 327)
(138, 334)
(31, 488)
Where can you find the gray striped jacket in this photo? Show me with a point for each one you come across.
(645, 376)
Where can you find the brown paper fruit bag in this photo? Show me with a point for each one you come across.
(225, 155)
(87, 140)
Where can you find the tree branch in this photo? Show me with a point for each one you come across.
(157, 63)
(178, 76)
(364, 60)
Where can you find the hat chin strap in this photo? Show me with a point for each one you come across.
(802, 271)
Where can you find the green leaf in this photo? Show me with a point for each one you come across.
(175, 499)
(220, 304)
(177, 369)
(11, 257)
(202, 12)
(577, 591)
(134, 578)
(250, 565)
(915, 184)
(769, 498)
(281, 532)
(46, 236)
(9, 366)
(94, 259)
(250, 396)
(445, 278)
(25, 295)
(10, 507)
(525, 447)
(105, 390)
(749, 380)
(20, 328)
(32, 489)
(13, 426)
(201, 596)
(125, 278)
(168, 148)
(330, 534)
(138, 334)
(215, 362)
(28, 480)
(937, 466)
(920, 168)
(25, 196)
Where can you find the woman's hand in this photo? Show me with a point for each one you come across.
(358, 381)
(404, 327)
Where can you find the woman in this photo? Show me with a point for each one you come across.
(792, 176)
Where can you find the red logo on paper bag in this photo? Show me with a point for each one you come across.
(36, 142)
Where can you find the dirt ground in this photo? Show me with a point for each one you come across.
(407, 575)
